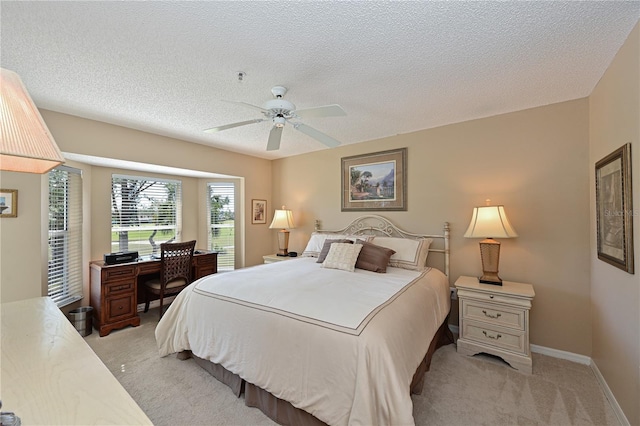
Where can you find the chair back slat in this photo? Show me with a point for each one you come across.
(176, 259)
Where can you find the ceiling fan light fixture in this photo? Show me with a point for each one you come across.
(279, 121)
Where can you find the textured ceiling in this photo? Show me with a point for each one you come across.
(395, 67)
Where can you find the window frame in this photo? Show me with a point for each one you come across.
(65, 279)
(138, 243)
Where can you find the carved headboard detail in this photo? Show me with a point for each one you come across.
(381, 226)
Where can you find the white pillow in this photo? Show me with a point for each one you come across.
(342, 256)
(316, 242)
(409, 253)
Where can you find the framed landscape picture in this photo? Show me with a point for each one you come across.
(614, 209)
(258, 211)
(8, 203)
(375, 182)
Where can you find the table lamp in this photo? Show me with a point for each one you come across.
(490, 222)
(26, 145)
(283, 220)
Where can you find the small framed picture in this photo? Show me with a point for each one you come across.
(614, 209)
(8, 203)
(258, 212)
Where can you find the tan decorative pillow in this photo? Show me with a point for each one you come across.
(409, 253)
(327, 246)
(373, 257)
(342, 256)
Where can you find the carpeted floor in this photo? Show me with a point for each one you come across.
(459, 390)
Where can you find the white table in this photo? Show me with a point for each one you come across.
(49, 375)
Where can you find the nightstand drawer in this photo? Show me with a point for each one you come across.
(493, 314)
(494, 336)
(494, 297)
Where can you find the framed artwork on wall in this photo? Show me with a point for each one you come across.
(375, 182)
(614, 209)
(8, 203)
(258, 212)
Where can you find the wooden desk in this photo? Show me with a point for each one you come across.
(51, 376)
(114, 288)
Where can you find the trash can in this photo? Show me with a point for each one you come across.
(81, 318)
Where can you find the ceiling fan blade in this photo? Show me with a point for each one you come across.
(232, 125)
(274, 138)
(247, 105)
(321, 111)
(316, 134)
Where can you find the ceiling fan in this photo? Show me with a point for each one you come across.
(279, 111)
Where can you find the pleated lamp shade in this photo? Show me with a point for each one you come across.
(26, 144)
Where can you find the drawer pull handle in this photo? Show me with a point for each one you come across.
(120, 307)
(491, 296)
(496, 337)
(491, 316)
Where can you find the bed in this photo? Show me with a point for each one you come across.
(323, 343)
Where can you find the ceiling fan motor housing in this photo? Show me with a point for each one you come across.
(276, 107)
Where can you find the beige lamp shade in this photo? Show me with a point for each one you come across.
(283, 220)
(26, 144)
(490, 222)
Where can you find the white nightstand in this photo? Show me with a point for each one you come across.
(495, 320)
(272, 258)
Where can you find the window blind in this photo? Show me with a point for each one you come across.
(64, 280)
(145, 212)
(221, 238)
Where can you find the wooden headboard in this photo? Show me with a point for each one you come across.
(381, 226)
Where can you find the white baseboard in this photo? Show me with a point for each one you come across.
(556, 353)
(607, 392)
(580, 359)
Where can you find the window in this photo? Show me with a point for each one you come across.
(145, 212)
(64, 278)
(221, 203)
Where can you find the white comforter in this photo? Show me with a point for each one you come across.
(340, 345)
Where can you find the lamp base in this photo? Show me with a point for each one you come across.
(490, 279)
(283, 243)
(490, 254)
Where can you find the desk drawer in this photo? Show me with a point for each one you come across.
(209, 259)
(147, 268)
(493, 314)
(119, 272)
(119, 287)
(120, 307)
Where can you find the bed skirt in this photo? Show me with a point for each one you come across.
(283, 412)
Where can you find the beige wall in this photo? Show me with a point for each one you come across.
(614, 119)
(23, 238)
(21, 275)
(534, 162)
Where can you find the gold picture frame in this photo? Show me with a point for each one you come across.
(375, 182)
(258, 212)
(8, 203)
(614, 209)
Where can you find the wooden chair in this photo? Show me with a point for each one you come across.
(175, 272)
